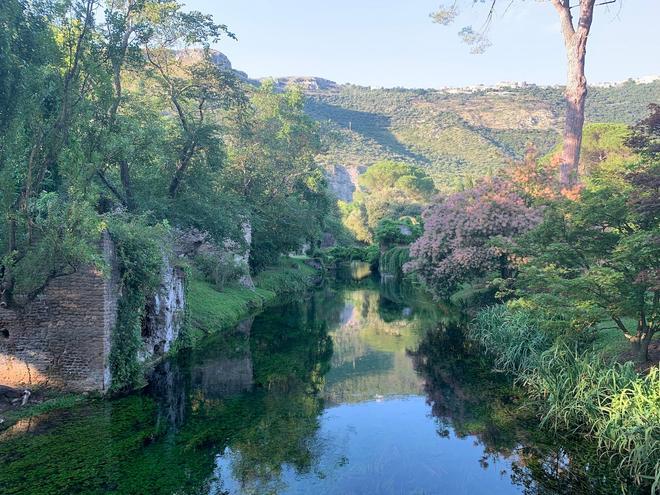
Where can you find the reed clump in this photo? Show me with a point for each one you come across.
(576, 390)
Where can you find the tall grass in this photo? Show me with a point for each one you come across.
(510, 338)
(579, 391)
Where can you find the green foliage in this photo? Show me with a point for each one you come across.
(218, 269)
(63, 237)
(132, 112)
(611, 402)
(271, 169)
(603, 148)
(289, 275)
(339, 254)
(391, 232)
(392, 261)
(512, 338)
(140, 254)
(212, 310)
(590, 260)
(388, 189)
(577, 390)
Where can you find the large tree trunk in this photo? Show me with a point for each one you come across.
(640, 348)
(576, 95)
(575, 41)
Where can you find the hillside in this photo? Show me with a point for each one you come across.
(455, 134)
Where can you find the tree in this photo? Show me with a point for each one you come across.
(575, 32)
(40, 161)
(645, 178)
(597, 258)
(470, 234)
(181, 64)
(272, 146)
(388, 189)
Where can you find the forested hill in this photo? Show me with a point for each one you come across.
(454, 133)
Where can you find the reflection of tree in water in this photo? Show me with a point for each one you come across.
(291, 352)
(168, 439)
(468, 398)
(369, 356)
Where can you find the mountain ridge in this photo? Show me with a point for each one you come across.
(457, 134)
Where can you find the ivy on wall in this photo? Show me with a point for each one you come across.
(140, 251)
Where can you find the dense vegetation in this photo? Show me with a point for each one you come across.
(567, 267)
(117, 117)
(457, 136)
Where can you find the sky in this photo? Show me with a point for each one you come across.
(390, 43)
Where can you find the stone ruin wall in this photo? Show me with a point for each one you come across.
(62, 338)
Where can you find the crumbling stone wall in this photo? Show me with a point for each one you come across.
(165, 314)
(62, 339)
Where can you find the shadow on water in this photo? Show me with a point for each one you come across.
(359, 388)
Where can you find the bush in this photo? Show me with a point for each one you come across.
(511, 338)
(339, 254)
(612, 403)
(218, 269)
(390, 232)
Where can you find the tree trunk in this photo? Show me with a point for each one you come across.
(575, 41)
(125, 176)
(576, 95)
(640, 347)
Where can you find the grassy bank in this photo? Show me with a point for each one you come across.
(211, 310)
(577, 387)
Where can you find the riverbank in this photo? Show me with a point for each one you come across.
(209, 312)
(577, 385)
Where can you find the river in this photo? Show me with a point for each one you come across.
(356, 389)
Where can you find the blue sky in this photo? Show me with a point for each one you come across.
(394, 43)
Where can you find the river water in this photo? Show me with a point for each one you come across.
(356, 389)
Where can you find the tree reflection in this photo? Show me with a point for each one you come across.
(466, 397)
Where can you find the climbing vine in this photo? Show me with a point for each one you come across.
(392, 261)
(140, 254)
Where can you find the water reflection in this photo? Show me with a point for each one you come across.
(356, 389)
(471, 402)
(370, 340)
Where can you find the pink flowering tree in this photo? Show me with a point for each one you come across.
(470, 234)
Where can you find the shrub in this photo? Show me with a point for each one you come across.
(612, 403)
(512, 338)
(470, 234)
(218, 269)
(577, 390)
(368, 254)
(390, 232)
